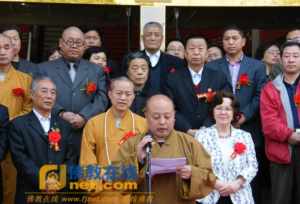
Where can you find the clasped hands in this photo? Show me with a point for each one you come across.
(227, 188)
(76, 120)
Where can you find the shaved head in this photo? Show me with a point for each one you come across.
(160, 116)
(72, 29)
(72, 44)
(159, 99)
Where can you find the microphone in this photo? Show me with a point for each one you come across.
(148, 146)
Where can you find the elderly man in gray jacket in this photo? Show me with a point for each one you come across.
(81, 90)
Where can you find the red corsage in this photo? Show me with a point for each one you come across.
(297, 100)
(238, 149)
(172, 70)
(243, 81)
(54, 138)
(90, 88)
(107, 70)
(126, 136)
(18, 92)
(208, 96)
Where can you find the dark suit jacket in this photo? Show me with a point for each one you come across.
(192, 113)
(4, 120)
(167, 63)
(248, 96)
(26, 66)
(30, 150)
(72, 96)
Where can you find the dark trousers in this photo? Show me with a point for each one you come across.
(260, 183)
(285, 180)
(224, 200)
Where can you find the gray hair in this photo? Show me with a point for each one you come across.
(153, 24)
(2, 35)
(121, 78)
(37, 79)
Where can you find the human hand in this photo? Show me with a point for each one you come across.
(77, 121)
(67, 116)
(225, 189)
(294, 138)
(185, 172)
(141, 152)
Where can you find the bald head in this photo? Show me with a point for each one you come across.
(157, 100)
(71, 30)
(72, 43)
(114, 82)
(6, 52)
(160, 116)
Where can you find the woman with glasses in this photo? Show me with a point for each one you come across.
(269, 54)
(232, 154)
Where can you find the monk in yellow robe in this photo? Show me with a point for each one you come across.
(15, 95)
(195, 179)
(104, 134)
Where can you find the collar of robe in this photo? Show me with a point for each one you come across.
(106, 133)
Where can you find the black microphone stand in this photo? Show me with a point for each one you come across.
(148, 173)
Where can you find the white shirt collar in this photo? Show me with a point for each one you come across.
(157, 54)
(41, 117)
(193, 73)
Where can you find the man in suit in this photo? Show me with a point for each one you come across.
(81, 89)
(189, 87)
(30, 141)
(4, 120)
(161, 63)
(19, 63)
(246, 76)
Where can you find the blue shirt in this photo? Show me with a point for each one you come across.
(291, 90)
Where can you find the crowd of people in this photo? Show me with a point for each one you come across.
(234, 119)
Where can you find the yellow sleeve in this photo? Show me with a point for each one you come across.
(88, 145)
(27, 103)
(202, 180)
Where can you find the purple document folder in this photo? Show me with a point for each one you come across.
(166, 165)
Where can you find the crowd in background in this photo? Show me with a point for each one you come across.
(243, 111)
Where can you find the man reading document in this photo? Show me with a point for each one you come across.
(187, 181)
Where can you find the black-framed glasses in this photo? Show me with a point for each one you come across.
(71, 43)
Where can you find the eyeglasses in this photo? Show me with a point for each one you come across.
(226, 109)
(71, 43)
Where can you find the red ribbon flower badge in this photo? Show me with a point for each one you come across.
(90, 88)
(107, 70)
(18, 92)
(126, 136)
(238, 149)
(54, 138)
(297, 100)
(243, 81)
(208, 96)
(172, 70)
